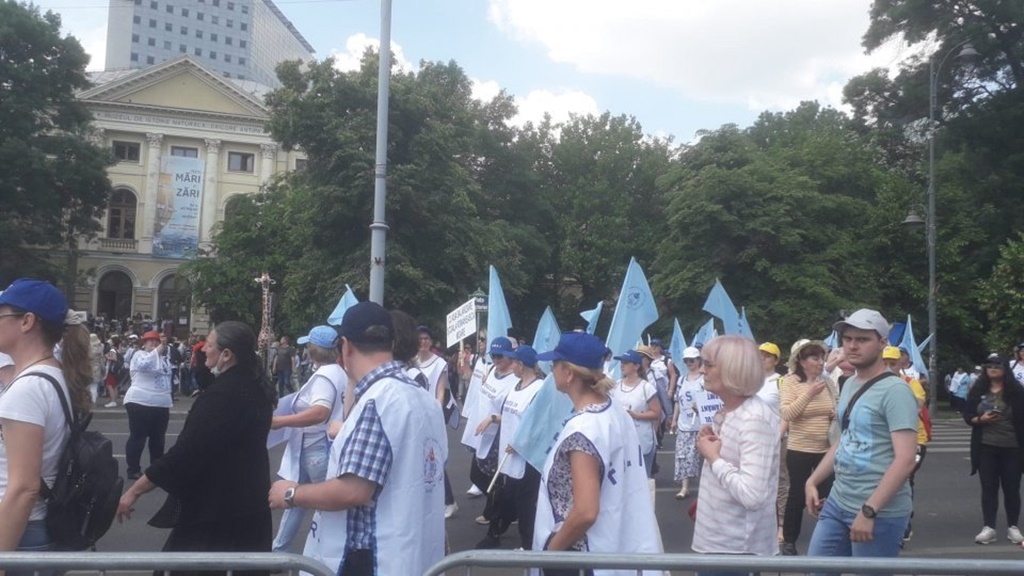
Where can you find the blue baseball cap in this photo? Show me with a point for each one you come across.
(525, 354)
(631, 356)
(578, 348)
(501, 346)
(367, 323)
(657, 342)
(38, 297)
(322, 336)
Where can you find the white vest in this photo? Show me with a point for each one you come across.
(431, 370)
(492, 393)
(626, 522)
(473, 390)
(516, 403)
(290, 464)
(409, 508)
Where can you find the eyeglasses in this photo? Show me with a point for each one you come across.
(688, 360)
(10, 314)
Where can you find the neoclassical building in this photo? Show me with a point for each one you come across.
(187, 140)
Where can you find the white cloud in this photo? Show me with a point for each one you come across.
(761, 54)
(348, 60)
(559, 105)
(485, 90)
(87, 23)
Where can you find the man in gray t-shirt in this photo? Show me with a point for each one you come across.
(869, 506)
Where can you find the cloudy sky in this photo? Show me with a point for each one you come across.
(679, 66)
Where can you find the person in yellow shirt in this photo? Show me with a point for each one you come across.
(892, 359)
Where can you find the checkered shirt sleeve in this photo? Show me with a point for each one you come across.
(367, 452)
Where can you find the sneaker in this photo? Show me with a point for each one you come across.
(482, 521)
(1013, 535)
(111, 404)
(450, 510)
(487, 543)
(788, 549)
(986, 536)
(908, 534)
(474, 492)
(134, 475)
(682, 495)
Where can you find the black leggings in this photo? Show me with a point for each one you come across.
(515, 499)
(999, 467)
(800, 466)
(145, 423)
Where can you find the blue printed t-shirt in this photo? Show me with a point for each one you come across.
(865, 450)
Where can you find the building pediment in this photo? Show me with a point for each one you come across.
(179, 84)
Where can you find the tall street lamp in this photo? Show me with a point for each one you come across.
(967, 51)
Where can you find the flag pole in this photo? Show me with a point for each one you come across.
(498, 472)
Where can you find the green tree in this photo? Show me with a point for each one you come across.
(1002, 298)
(53, 182)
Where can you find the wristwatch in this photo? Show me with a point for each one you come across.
(289, 497)
(866, 510)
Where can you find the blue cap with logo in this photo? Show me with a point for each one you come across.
(631, 356)
(525, 354)
(501, 346)
(38, 297)
(322, 336)
(578, 348)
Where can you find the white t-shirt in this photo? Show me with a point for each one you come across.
(686, 396)
(769, 392)
(636, 398)
(33, 400)
(319, 390)
(1018, 370)
(151, 380)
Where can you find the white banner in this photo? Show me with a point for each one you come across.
(461, 323)
(179, 202)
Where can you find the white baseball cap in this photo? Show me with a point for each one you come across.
(864, 319)
(5, 360)
(691, 352)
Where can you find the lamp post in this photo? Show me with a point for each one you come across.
(966, 51)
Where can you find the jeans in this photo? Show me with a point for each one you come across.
(999, 467)
(35, 539)
(649, 460)
(800, 465)
(145, 423)
(312, 469)
(284, 382)
(832, 535)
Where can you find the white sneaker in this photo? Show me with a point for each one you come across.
(987, 535)
(1013, 535)
(484, 521)
(474, 492)
(450, 510)
(111, 404)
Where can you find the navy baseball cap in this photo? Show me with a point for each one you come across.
(578, 348)
(631, 356)
(501, 346)
(657, 342)
(322, 336)
(525, 354)
(423, 329)
(367, 323)
(38, 297)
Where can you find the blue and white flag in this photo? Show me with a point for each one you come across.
(592, 316)
(634, 311)
(546, 337)
(924, 343)
(910, 346)
(541, 424)
(498, 318)
(720, 306)
(832, 341)
(744, 325)
(348, 300)
(705, 334)
(678, 343)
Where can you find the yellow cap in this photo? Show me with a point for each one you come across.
(770, 348)
(891, 353)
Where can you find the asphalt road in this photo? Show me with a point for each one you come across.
(947, 501)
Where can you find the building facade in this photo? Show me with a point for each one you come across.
(240, 39)
(187, 141)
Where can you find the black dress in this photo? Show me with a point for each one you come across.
(218, 472)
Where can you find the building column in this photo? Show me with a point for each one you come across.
(269, 154)
(208, 219)
(147, 208)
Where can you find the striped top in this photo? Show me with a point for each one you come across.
(808, 418)
(736, 501)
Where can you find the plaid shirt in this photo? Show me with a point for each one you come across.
(367, 454)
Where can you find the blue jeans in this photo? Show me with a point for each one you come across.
(832, 535)
(312, 469)
(284, 383)
(35, 539)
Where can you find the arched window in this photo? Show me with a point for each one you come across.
(175, 303)
(121, 214)
(232, 204)
(114, 296)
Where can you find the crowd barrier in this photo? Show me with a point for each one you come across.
(159, 561)
(463, 563)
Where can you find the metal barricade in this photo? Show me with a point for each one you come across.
(463, 563)
(160, 561)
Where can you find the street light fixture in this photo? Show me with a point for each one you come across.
(967, 51)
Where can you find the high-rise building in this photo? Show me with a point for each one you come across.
(241, 39)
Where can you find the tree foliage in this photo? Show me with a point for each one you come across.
(53, 182)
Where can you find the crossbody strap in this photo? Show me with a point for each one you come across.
(69, 417)
(858, 394)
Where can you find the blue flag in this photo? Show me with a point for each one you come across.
(547, 335)
(592, 316)
(705, 334)
(896, 332)
(678, 343)
(634, 311)
(910, 346)
(498, 318)
(832, 341)
(924, 343)
(541, 424)
(720, 306)
(348, 300)
(745, 326)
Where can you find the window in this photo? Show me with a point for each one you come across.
(184, 30)
(136, 20)
(227, 58)
(135, 38)
(213, 55)
(138, 2)
(135, 57)
(153, 5)
(185, 151)
(242, 43)
(168, 27)
(231, 23)
(228, 40)
(182, 48)
(152, 23)
(152, 42)
(199, 34)
(184, 12)
(227, 74)
(231, 5)
(213, 37)
(167, 45)
(241, 76)
(215, 19)
(170, 9)
(243, 26)
(126, 151)
(216, 2)
(198, 51)
(241, 162)
(149, 60)
(241, 61)
(245, 9)
(301, 164)
(121, 214)
(200, 16)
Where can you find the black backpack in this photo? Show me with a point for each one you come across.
(81, 505)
